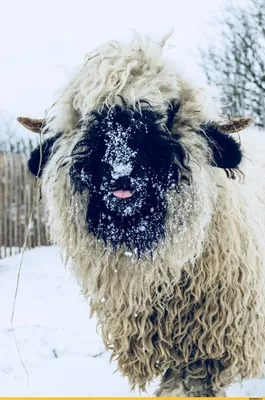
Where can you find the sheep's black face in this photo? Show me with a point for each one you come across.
(127, 163)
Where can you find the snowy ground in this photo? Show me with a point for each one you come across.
(58, 343)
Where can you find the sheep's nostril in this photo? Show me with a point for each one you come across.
(123, 182)
(123, 188)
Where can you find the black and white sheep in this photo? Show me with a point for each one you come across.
(169, 250)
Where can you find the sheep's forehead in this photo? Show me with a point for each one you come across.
(133, 80)
(134, 73)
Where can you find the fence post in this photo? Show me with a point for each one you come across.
(17, 195)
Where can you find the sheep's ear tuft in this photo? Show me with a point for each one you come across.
(34, 125)
(234, 125)
(226, 150)
(37, 162)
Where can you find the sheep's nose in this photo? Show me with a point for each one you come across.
(123, 182)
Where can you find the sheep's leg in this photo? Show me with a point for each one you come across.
(173, 385)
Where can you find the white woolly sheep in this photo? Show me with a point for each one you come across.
(162, 216)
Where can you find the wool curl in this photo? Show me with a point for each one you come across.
(138, 71)
(197, 304)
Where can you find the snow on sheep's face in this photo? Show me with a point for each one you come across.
(123, 163)
(127, 162)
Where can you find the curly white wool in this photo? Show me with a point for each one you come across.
(208, 271)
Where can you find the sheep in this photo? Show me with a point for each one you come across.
(160, 210)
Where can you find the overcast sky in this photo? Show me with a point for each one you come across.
(42, 42)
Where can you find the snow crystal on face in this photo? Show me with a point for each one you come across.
(118, 154)
(121, 170)
(83, 176)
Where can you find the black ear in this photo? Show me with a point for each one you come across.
(226, 150)
(36, 163)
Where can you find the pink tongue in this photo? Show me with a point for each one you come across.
(123, 194)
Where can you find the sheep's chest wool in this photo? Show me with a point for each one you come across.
(168, 249)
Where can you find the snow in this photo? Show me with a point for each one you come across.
(118, 153)
(58, 343)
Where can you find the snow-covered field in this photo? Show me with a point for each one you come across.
(58, 343)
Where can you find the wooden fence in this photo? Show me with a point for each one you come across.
(17, 202)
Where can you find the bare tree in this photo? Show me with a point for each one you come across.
(237, 60)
